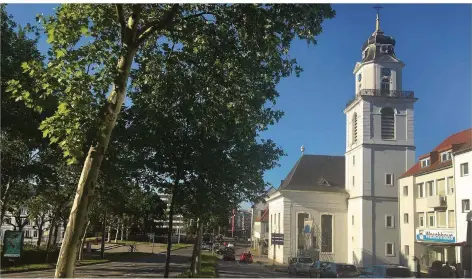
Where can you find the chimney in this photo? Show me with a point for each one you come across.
(434, 157)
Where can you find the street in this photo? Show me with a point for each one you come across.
(142, 267)
(234, 269)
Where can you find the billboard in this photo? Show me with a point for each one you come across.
(12, 244)
(435, 236)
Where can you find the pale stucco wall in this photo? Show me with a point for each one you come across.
(463, 185)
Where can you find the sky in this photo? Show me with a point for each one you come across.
(433, 40)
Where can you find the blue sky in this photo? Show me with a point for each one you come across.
(433, 40)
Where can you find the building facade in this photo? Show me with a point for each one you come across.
(309, 211)
(30, 229)
(462, 161)
(178, 221)
(428, 207)
(379, 148)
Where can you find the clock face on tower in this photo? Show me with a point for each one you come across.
(359, 77)
(386, 72)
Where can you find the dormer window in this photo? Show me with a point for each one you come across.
(425, 162)
(445, 156)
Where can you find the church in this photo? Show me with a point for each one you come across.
(345, 208)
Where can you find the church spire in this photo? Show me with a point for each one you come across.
(377, 21)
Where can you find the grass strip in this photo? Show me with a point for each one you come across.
(207, 270)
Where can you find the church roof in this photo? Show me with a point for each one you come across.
(316, 173)
(454, 142)
(379, 47)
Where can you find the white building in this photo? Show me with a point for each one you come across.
(354, 209)
(310, 210)
(428, 206)
(178, 221)
(30, 229)
(462, 161)
(379, 148)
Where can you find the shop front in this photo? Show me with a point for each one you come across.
(437, 245)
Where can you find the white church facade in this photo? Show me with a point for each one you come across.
(350, 214)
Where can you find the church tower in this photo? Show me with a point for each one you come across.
(379, 148)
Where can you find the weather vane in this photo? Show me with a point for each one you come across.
(378, 7)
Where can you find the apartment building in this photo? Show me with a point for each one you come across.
(427, 206)
(462, 160)
(178, 221)
(30, 229)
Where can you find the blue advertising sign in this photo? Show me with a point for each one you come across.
(12, 244)
(438, 236)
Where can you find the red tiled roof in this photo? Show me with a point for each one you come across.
(452, 142)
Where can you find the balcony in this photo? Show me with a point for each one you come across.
(396, 94)
(436, 201)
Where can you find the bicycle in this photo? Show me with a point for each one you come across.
(132, 248)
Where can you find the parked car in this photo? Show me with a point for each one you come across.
(316, 267)
(338, 270)
(207, 246)
(387, 271)
(300, 265)
(229, 255)
(230, 244)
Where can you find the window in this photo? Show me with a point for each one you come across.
(450, 185)
(389, 222)
(431, 219)
(35, 233)
(446, 156)
(353, 160)
(464, 169)
(385, 87)
(407, 250)
(352, 217)
(387, 123)
(466, 205)
(451, 219)
(353, 181)
(354, 127)
(441, 215)
(389, 179)
(430, 188)
(405, 191)
(327, 233)
(27, 234)
(389, 249)
(425, 162)
(421, 193)
(405, 218)
(278, 224)
(441, 187)
(421, 219)
(7, 221)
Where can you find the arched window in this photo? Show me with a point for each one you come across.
(354, 128)
(388, 123)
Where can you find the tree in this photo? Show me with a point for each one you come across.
(93, 49)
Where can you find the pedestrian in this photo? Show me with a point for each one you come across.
(446, 271)
(418, 267)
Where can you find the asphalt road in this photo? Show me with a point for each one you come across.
(234, 269)
(141, 267)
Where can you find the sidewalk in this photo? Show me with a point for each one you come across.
(265, 261)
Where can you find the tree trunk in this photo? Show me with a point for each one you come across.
(109, 234)
(122, 229)
(104, 228)
(48, 245)
(117, 230)
(193, 264)
(56, 231)
(169, 232)
(81, 251)
(200, 238)
(40, 236)
(127, 232)
(66, 262)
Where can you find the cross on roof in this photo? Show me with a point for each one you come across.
(378, 7)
